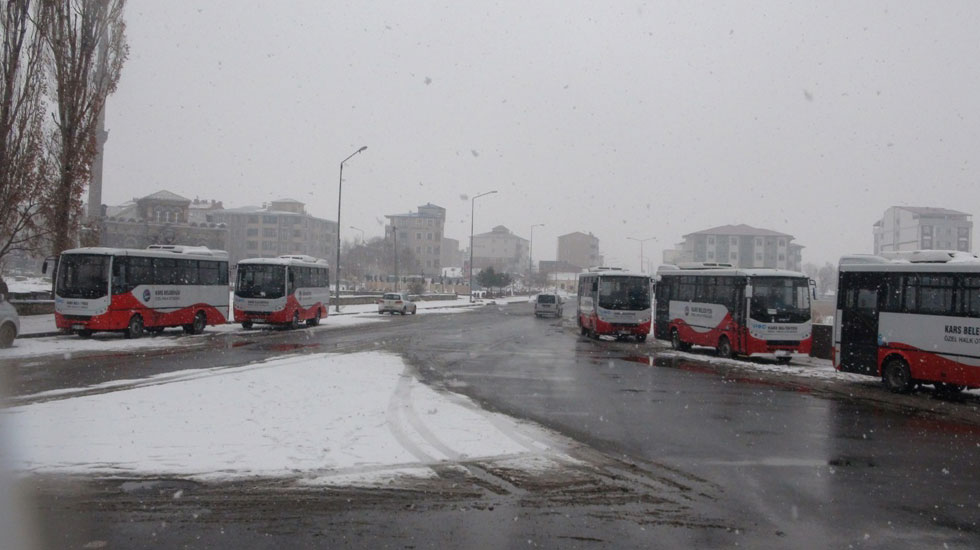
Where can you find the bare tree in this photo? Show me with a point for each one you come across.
(23, 177)
(87, 46)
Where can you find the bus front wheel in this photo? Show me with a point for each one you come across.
(676, 343)
(247, 325)
(724, 348)
(314, 321)
(294, 324)
(896, 375)
(135, 327)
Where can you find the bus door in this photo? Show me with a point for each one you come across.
(663, 292)
(859, 322)
(742, 294)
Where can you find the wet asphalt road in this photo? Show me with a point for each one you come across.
(679, 452)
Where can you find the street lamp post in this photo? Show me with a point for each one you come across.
(361, 230)
(340, 188)
(641, 241)
(472, 211)
(530, 253)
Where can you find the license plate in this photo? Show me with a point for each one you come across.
(78, 327)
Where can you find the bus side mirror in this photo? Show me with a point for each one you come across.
(748, 291)
(44, 267)
(813, 288)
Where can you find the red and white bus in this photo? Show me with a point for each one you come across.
(736, 311)
(108, 289)
(613, 302)
(910, 318)
(286, 290)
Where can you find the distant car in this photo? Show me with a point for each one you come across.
(396, 302)
(9, 323)
(548, 304)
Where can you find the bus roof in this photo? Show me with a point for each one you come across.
(937, 261)
(611, 272)
(295, 260)
(153, 252)
(672, 270)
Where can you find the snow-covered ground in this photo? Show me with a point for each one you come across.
(64, 344)
(27, 284)
(315, 419)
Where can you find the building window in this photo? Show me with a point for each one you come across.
(270, 219)
(711, 240)
(734, 256)
(268, 245)
(733, 240)
(252, 232)
(251, 245)
(782, 243)
(253, 219)
(711, 255)
(782, 257)
(297, 233)
(758, 242)
(758, 257)
(428, 236)
(418, 236)
(269, 232)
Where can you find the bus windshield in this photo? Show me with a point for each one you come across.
(83, 276)
(624, 293)
(785, 297)
(261, 281)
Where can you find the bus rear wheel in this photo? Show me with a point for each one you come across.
(724, 348)
(135, 327)
(198, 324)
(896, 375)
(294, 324)
(247, 325)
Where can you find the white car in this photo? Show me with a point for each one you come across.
(548, 304)
(396, 302)
(9, 323)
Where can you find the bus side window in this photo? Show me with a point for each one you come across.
(970, 292)
(291, 286)
(119, 283)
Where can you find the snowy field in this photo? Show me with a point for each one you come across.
(313, 420)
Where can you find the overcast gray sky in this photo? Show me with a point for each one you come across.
(636, 119)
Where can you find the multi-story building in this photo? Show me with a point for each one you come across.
(740, 245)
(501, 249)
(421, 233)
(160, 218)
(579, 249)
(280, 227)
(451, 255)
(923, 228)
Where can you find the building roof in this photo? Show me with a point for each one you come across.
(418, 214)
(166, 196)
(294, 201)
(932, 211)
(739, 230)
(577, 233)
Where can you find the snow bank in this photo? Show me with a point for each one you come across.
(315, 419)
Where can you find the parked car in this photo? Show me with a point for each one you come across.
(396, 302)
(9, 323)
(548, 304)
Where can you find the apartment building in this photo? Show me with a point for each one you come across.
(923, 228)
